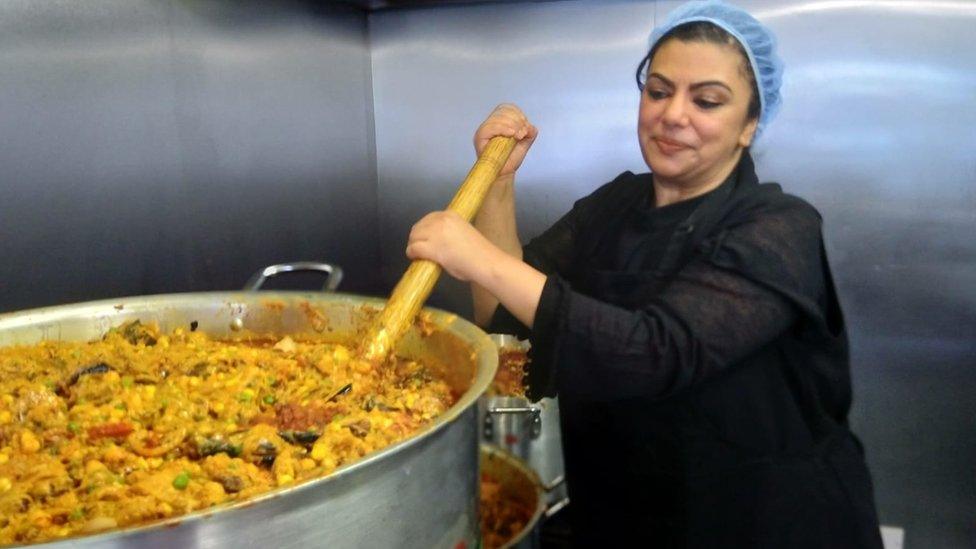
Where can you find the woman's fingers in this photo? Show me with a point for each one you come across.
(435, 226)
(508, 128)
(509, 121)
(418, 250)
(422, 229)
(505, 120)
(445, 238)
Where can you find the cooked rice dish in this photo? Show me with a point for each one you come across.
(142, 425)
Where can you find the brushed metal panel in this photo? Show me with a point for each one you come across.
(170, 146)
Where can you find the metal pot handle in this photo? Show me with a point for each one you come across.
(558, 506)
(534, 411)
(332, 281)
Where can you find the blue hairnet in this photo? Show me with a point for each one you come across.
(758, 42)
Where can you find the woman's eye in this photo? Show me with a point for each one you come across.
(656, 94)
(707, 104)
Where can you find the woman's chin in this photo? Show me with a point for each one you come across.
(667, 168)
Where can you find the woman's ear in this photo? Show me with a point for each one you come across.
(748, 133)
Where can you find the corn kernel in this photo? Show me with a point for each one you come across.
(218, 407)
(8, 399)
(285, 479)
(93, 465)
(151, 390)
(194, 381)
(165, 509)
(341, 354)
(4, 458)
(114, 454)
(319, 451)
(29, 443)
(307, 464)
(5, 417)
(5, 484)
(115, 414)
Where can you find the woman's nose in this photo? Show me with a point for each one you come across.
(675, 112)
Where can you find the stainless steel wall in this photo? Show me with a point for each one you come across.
(158, 146)
(878, 131)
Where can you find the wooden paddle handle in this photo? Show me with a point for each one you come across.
(413, 289)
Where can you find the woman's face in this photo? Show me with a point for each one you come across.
(692, 123)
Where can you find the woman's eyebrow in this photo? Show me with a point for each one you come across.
(694, 86)
(660, 77)
(707, 83)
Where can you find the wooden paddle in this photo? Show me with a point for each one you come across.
(413, 289)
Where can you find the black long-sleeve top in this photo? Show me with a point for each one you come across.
(743, 286)
(700, 385)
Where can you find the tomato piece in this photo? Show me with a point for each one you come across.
(110, 430)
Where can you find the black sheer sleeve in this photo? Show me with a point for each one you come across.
(747, 286)
(553, 251)
(549, 253)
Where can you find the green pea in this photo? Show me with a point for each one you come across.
(181, 481)
(73, 427)
(269, 399)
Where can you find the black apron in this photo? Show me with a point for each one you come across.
(682, 472)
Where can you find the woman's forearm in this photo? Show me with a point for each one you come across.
(513, 283)
(496, 221)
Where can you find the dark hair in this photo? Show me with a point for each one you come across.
(705, 31)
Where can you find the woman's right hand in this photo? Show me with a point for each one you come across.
(510, 121)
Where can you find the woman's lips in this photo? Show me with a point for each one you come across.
(669, 146)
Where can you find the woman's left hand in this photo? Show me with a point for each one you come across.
(448, 240)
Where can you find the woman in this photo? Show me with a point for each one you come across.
(686, 318)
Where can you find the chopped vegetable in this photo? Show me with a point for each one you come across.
(181, 481)
(110, 430)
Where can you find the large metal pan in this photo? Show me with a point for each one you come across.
(421, 492)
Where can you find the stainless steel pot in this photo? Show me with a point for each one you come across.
(421, 492)
(529, 431)
(519, 481)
